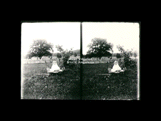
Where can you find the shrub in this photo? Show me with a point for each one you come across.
(118, 55)
(59, 55)
(128, 62)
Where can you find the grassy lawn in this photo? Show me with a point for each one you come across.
(115, 87)
(66, 85)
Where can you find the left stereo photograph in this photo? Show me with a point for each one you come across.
(50, 60)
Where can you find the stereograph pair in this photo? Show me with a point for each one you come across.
(69, 60)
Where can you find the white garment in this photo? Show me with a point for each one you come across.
(116, 67)
(55, 68)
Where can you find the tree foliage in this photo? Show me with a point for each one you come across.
(75, 54)
(65, 54)
(59, 48)
(59, 55)
(118, 55)
(135, 54)
(126, 54)
(40, 48)
(99, 47)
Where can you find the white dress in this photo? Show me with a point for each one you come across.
(116, 67)
(55, 68)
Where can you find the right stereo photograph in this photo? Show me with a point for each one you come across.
(110, 61)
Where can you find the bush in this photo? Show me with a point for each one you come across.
(129, 63)
(59, 55)
(65, 58)
(118, 55)
(60, 63)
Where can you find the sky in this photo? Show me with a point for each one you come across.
(117, 33)
(66, 34)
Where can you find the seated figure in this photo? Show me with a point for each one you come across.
(55, 68)
(116, 68)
